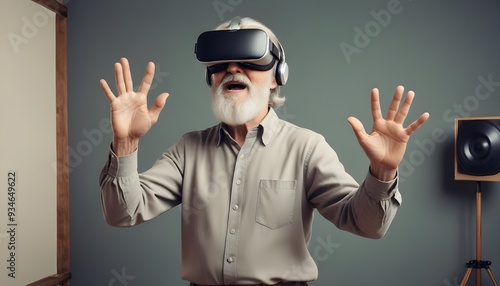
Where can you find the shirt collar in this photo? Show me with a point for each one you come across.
(221, 128)
(267, 128)
(269, 125)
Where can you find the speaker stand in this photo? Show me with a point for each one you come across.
(478, 264)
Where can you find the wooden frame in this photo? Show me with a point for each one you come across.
(63, 246)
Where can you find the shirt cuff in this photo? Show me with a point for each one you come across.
(122, 166)
(381, 190)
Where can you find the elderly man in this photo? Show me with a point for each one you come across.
(249, 185)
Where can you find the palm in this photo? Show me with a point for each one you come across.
(130, 116)
(386, 144)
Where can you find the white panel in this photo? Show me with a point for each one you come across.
(28, 142)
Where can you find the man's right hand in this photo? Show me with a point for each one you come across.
(130, 116)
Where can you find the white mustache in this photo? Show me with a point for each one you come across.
(235, 77)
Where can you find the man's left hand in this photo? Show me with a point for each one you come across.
(386, 144)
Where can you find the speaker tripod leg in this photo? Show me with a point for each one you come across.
(466, 277)
(491, 276)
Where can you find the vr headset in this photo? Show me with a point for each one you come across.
(249, 48)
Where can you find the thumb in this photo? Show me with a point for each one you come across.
(357, 127)
(157, 107)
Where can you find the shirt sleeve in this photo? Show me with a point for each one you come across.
(365, 209)
(129, 198)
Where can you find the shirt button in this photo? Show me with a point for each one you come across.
(232, 231)
(242, 156)
(230, 259)
(238, 182)
(235, 207)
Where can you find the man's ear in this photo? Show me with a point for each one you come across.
(274, 83)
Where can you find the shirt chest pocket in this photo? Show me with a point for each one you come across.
(275, 203)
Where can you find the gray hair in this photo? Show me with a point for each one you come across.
(275, 98)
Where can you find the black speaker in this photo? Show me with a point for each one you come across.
(477, 149)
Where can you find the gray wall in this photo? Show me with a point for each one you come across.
(443, 50)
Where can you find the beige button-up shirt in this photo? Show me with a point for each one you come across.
(247, 212)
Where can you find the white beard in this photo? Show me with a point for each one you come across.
(228, 110)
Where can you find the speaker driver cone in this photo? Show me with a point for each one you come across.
(478, 147)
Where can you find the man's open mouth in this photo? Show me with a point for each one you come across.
(235, 85)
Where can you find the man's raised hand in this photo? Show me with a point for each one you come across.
(385, 145)
(130, 116)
